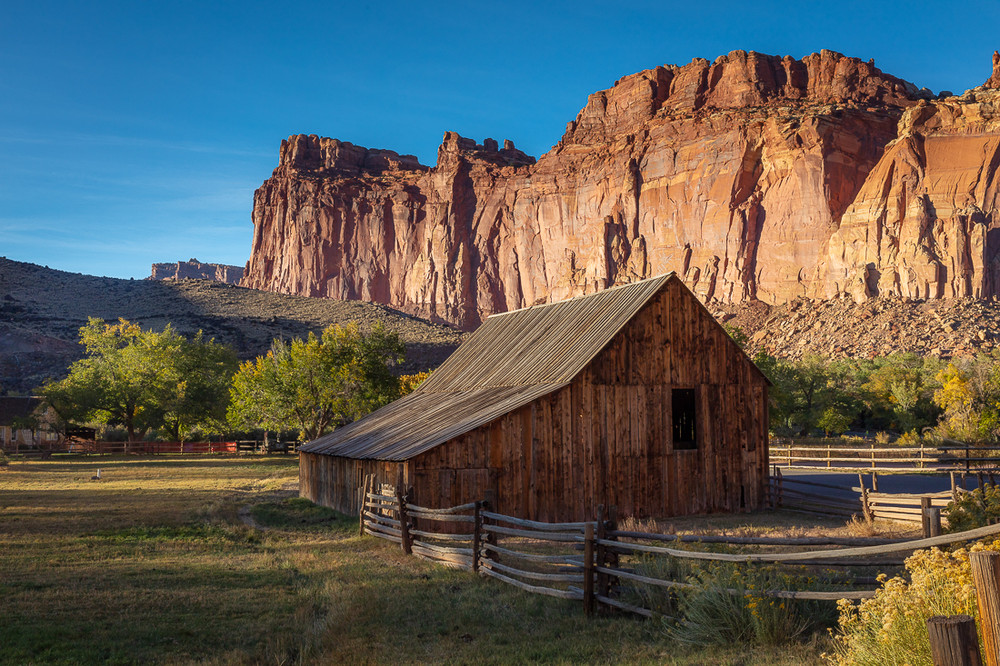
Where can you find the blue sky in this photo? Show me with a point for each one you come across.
(136, 132)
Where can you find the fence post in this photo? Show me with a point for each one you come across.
(491, 538)
(954, 488)
(921, 454)
(967, 458)
(934, 518)
(781, 491)
(601, 553)
(925, 519)
(866, 508)
(953, 641)
(828, 461)
(872, 445)
(477, 535)
(986, 577)
(611, 555)
(404, 521)
(364, 503)
(588, 569)
(874, 482)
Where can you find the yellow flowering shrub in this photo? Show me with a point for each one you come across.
(891, 627)
(409, 383)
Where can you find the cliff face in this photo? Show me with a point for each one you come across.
(754, 177)
(194, 269)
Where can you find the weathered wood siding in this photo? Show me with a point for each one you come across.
(607, 438)
(335, 481)
(604, 439)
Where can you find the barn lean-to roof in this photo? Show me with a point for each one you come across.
(512, 359)
(16, 407)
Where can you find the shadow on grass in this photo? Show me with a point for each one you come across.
(81, 463)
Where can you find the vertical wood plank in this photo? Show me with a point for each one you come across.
(986, 577)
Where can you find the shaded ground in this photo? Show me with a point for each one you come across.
(152, 564)
(42, 310)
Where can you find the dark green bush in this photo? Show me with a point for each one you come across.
(977, 508)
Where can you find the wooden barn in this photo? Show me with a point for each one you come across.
(634, 396)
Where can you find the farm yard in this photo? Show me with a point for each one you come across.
(155, 562)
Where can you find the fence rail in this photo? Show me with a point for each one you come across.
(595, 562)
(952, 456)
(46, 449)
(862, 501)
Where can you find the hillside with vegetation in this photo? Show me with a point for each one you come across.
(42, 311)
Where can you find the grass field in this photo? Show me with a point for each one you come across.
(152, 563)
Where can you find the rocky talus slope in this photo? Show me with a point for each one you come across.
(943, 328)
(755, 178)
(42, 310)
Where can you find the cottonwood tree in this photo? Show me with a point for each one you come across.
(319, 383)
(143, 380)
(970, 399)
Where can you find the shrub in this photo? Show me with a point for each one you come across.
(729, 605)
(977, 508)
(409, 383)
(891, 627)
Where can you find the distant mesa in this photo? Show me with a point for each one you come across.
(192, 269)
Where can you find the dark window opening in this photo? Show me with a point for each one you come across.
(684, 416)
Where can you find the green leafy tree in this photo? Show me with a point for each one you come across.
(835, 419)
(318, 383)
(899, 389)
(198, 400)
(140, 379)
(738, 335)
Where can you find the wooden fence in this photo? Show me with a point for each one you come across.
(863, 500)
(105, 448)
(598, 564)
(951, 456)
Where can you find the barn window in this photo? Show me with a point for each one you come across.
(684, 411)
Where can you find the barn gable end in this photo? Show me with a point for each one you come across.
(596, 427)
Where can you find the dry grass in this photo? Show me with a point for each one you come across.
(784, 524)
(152, 564)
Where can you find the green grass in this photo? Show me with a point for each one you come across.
(152, 564)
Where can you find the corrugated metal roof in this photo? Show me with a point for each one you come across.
(513, 358)
(544, 343)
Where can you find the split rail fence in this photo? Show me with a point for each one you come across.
(107, 448)
(953, 456)
(603, 566)
(862, 500)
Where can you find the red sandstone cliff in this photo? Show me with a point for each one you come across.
(754, 177)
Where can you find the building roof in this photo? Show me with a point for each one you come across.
(16, 407)
(512, 359)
